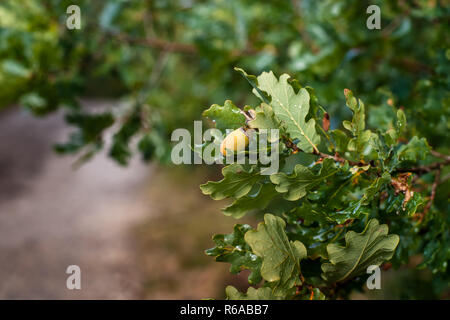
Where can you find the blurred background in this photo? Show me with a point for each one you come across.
(108, 96)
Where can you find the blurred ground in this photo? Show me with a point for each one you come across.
(173, 241)
(52, 216)
(135, 232)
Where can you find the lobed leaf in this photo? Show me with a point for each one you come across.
(264, 293)
(361, 138)
(373, 246)
(280, 257)
(225, 117)
(302, 179)
(291, 109)
(236, 183)
(416, 149)
(264, 119)
(233, 249)
(259, 201)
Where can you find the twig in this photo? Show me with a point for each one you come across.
(433, 194)
(386, 32)
(338, 158)
(167, 46)
(290, 145)
(392, 26)
(425, 169)
(440, 155)
(170, 46)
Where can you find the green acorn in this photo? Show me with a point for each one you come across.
(236, 140)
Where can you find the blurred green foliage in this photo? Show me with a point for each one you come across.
(173, 58)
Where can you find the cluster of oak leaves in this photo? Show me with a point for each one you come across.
(329, 206)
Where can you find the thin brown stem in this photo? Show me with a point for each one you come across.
(167, 46)
(170, 46)
(338, 158)
(433, 194)
(425, 169)
(440, 155)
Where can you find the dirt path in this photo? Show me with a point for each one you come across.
(52, 216)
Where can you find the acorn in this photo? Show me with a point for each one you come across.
(236, 140)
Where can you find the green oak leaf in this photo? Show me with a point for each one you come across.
(416, 202)
(258, 201)
(436, 255)
(310, 214)
(264, 119)
(360, 143)
(236, 183)
(401, 122)
(291, 109)
(391, 137)
(357, 208)
(358, 123)
(354, 210)
(373, 246)
(340, 140)
(416, 149)
(371, 191)
(280, 257)
(302, 179)
(436, 249)
(313, 236)
(225, 117)
(233, 249)
(377, 148)
(263, 293)
(361, 138)
(395, 203)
